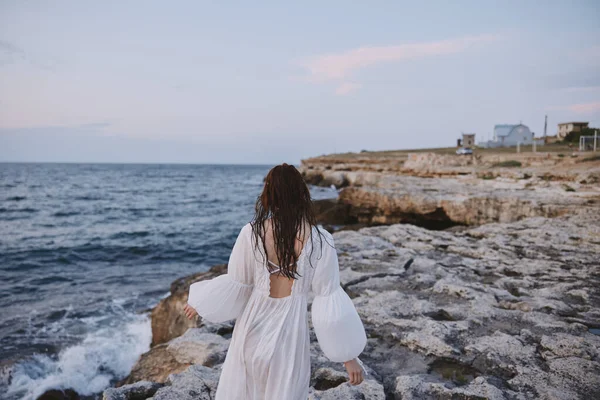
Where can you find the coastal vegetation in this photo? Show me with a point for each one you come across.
(591, 158)
(507, 164)
(573, 137)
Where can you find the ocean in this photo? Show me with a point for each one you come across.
(87, 249)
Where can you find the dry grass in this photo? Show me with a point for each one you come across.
(507, 164)
(549, 148)
(591, 158)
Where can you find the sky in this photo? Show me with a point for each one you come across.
(269, 82)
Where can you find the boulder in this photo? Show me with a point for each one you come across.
(196, 346)
(200, 348)
(168, 318)
(136, 391)
(196, 383)
(368, 389)
(330, 384)
(156, 365)
(417, 387)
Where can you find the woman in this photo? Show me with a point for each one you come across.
(276, 260)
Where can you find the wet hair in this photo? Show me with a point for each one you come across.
(286, 202)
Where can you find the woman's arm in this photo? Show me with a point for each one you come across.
(338, 327)
(224, 297)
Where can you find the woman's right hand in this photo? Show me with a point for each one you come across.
(189, 311)
(354, 372)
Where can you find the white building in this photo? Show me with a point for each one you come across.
(509, 135)
(468, 140)
(567, 127)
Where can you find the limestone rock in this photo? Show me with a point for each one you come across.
(368, 389)
(499, 311)
(561, 345)
(439, 191)
(138, 390)
(329, 384)
(439, 203)
(155, 366)
(488, 301)
(196, 383)
(196, 347)
(417, 387)
(168, 318)
(542, 165)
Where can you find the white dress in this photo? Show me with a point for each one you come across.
(269, 357)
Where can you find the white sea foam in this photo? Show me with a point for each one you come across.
(105, 354)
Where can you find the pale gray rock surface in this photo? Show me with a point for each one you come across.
(439, 190)
(368, 389)
(197, 347)
(500, 311)
(331, 384)
(138, 390)
(425, 387)
(197, 383)
(509, 302)
(460, 200)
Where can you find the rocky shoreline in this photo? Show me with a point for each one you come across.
(441, 191)
(506, 307)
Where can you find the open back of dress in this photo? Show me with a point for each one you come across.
(280, 285)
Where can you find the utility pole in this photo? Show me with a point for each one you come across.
(595, 140)
(545, 126)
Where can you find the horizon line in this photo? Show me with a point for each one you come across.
(131, 163)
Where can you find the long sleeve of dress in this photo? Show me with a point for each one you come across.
(338, 327)
(224, 297)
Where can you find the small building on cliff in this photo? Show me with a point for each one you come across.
(509, 135)
(468, 140)
(567, 127)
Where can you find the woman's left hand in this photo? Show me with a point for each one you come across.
(355, 374)
(189, 311)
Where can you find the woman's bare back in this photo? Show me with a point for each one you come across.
(281, 286)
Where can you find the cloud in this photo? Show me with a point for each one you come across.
(585, 108)
(580, 108)
(578, 78)
(580, 74)
(11, 48)
(340, 66)
(99, 127)
(347, 88)
(587, 55)
(577, 89)
(10, 52)
(95, 125)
